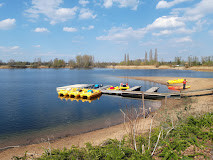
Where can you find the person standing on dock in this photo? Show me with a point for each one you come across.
(184, 84)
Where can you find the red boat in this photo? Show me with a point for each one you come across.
(177, 87)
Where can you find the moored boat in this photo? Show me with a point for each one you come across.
(177, 87)
(90, 93)
(175, 81)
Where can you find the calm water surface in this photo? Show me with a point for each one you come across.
(30, 108)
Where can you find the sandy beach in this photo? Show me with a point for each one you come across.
(195, 68)
(199, 104)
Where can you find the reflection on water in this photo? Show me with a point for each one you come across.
(78, 99)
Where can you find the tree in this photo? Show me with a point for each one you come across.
(11, 62)
(84, 61)
(150, 56)
(156, 56)
(146, 60)
(71, 63)
(125, 58)
(58, 63)
(178, 60)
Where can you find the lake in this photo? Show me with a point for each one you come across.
(30, 108)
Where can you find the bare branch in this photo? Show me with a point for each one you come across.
(156, 143)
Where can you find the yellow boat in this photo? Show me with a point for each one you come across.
(90, 93)
(175, 81)
(124, 86)
(63, 92)
(77, 93)
(72, 91)
(121, 87)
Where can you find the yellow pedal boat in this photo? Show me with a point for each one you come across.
(77, 93)
(124, 86)
(90, 93)
(63, 92)
(175, 81)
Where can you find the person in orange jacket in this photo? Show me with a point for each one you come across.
(184, 84)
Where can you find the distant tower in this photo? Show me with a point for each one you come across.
(128, 57)
(146, 60)
(156, 55)
(150, 55)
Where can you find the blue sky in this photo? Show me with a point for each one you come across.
(107, 29)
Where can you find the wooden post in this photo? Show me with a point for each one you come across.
(143, 105)
(165, 100)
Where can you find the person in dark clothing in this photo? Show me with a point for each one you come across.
(184, 84)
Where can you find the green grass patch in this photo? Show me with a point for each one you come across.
(193, 132)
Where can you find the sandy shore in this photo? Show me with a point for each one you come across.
(199, 104)
(198, 68)
(195, 83)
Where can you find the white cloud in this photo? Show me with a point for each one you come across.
(7, 24)
(181, 30)
(37, 46)
(166, 22)
(86, 14)
(41, 30)
(9, 49)
(52, 10)
(108, 3)
(1, 4)
(14, 47)
(165, 4)
(88, 28)
(83, 2)
(201, 9)
(133, 4)
(163, 32)
(120, 34)
(183, 39)
(69, 29)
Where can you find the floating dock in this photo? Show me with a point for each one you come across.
(135, 92)
(74, 86)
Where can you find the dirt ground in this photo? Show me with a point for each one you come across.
(200, 104)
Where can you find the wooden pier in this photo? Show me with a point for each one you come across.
(135, 92)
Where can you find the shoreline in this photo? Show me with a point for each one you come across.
(194, 68)
(118, 131)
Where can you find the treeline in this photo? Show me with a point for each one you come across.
(152, 60)
(191, 61)
(178, 61)
(80, 61)
(87, 61)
